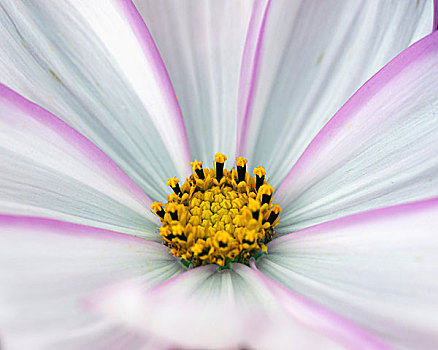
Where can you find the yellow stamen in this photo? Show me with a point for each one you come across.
(218, 216)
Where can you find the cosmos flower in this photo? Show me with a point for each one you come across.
(98, 111)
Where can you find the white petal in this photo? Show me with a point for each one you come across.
(238, 308)
(202, 45)
(378, 269)
(99, 335)
(48, 268)
(94, 65)
(48, 169)
(313, 57)
(380, 149)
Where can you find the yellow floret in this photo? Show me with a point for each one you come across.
(219, 158)
(259, 171)
(172, 182)
(240, 161)
(196, 165)
(156, 206)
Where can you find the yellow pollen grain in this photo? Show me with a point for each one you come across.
(218, 222)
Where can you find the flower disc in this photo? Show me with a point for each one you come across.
(218, 216)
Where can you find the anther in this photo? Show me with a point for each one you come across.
(199, 248)
(260, 173)
(241, 168)
(173, 183)
(222, 239)
(254, 206)
(178, 231)
(157, 207)
(274, 213)
(266, 192)
(220, 159)
(166, 233)
(197, 167)
(172, 209)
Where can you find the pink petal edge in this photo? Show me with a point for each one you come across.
(68, 228)
(435, 15)
(89, 150)
(150, 49)
(250, 67)
(394, 211)
(333, 326)
(417, 51)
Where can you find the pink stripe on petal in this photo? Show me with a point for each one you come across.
(68, 228)
(392, 212)
(89, 150)
(250, 65)
(150, 50)
(319, 318)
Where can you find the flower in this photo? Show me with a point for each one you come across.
(354, 260)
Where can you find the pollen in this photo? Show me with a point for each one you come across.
(218, 216)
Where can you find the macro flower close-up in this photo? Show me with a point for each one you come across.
(218, 174)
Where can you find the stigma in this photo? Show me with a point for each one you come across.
(218, 216)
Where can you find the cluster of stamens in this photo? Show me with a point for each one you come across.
(218, 216)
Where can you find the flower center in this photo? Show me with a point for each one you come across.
(218, 216)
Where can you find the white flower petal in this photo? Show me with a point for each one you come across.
(313, 56)
(238, 308)
(100, 334)
(378, 269)
(202, 45)
(95, 66)
(48, 268)
(380, 149)
(48, 169)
